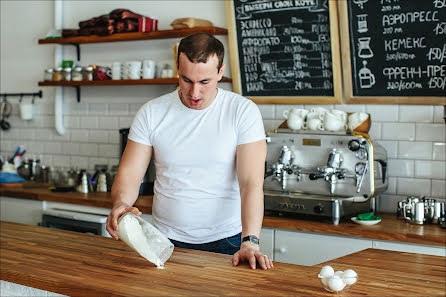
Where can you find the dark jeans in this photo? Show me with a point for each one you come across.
(229, 245)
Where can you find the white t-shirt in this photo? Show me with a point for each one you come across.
(196, 192)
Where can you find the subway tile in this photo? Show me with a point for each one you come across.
(27, 134)
(71, 121)
(112, 162)
(439, 113)
(44, 134)
(114, 137)
(391, 189)
(400, 168)
(79, 162)
(416, 113)
(439, 151)
(89, 122)
(430, 169)
(118, 109)
(375, 131)
(430, 132)
(32, 148)
(125, 122)
(267, 111)
(61, 161)
(63, 138)
(391, 148)
(415, 150)
(52, 148)
(98, 136)
(109, 150)
(43, 108)
(97, 108)
(88, 149)
(70, 148)
(398, 131)
(76, 108)
(79, 135)
(97, 161)
(389, 203)
(383, 113)
(438, 189)
(108, 123)
(17, 122)
(413, 186)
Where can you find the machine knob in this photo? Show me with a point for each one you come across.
(354, 145)
(318, 209)
(314, 176)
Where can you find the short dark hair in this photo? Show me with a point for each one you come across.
(199, 47)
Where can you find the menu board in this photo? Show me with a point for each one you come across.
(285, 51)
(397, 49)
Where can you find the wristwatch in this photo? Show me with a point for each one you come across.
(252, 239)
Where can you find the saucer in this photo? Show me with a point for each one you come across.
(366, 223)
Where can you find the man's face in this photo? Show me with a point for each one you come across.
(198, 81)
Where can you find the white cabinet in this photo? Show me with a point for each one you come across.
(309, 249)
(25, 211)
(409, 247)
(267, 242)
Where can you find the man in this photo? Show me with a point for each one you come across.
(209, 151)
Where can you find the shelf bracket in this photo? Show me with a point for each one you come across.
(78, 50)
(78, 93)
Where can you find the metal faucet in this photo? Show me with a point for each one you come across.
(332, 172)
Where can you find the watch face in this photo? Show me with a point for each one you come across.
(252, 239)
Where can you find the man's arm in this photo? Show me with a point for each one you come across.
(125, 189)
(250, 162)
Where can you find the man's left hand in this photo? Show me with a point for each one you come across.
(249, 252)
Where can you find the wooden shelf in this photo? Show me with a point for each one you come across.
(155, 81)
(134, 36)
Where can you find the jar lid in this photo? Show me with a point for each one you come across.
(58, 69)
(68, 69)
(49, 70)
(89, 68)
(78, 68)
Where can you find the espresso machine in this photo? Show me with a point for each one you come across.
(323, 174)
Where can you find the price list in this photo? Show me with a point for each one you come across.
(398, 47)
(284, 48)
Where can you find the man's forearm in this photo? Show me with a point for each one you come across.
(252, 212)
(125, 190)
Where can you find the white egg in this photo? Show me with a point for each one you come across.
(349, 276)
(324, 281)
(336, 283)
(327, 271)
(339, 273)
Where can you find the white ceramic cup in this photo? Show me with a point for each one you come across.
(356, 119)
(314, 124)
(133, 69)
(148, 69)
(315, 115)
(334, 123)
(319, 110)
(342, 115)
(294, 121)
(116, 71)
(298, 111)
(26, 111)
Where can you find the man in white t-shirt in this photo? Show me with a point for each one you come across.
(209, 151)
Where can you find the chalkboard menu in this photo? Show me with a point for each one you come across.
(285, 49)
(397, 47)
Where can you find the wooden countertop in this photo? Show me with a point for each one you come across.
(79, 264)
(390, 227)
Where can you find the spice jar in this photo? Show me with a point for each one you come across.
(88, 73)
(57, 74)
(48, 75)
(67, 74)
(76, 74)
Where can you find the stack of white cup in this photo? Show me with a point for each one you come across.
(133, 70)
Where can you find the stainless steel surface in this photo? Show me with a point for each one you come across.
(421, 210)
(330, 174)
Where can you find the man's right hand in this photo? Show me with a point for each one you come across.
(116, 212)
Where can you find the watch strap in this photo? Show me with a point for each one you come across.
(252, 239)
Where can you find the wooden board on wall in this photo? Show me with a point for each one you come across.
(285, 52)
(394, 51)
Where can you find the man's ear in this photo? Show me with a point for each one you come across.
(222, 70)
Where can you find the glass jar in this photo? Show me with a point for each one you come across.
(48, 75)
(76, 74)
(88, 73)
(67, 74)
(57, 74)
